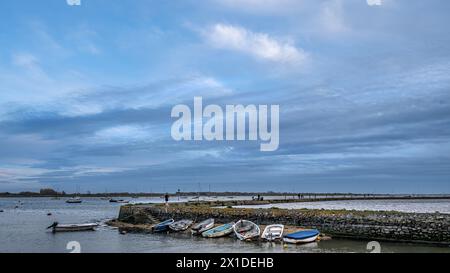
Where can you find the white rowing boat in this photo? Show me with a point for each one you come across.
(56, 227)
(74, 200)
(246, 230)
(273, 232)
(181, 225)
(201, 227)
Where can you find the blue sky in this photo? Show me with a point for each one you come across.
(363, 87)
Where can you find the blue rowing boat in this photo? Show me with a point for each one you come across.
(163, 226)
(301, 237)
(220, 231)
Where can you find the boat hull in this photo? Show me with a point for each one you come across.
(119, 201)
(73, 201)
(220, 231)
(75, 228)
(180, 225)
(302, 237)
(300, 241)
(246, 230)
(163, 226)
(273, 233)
(202, 227)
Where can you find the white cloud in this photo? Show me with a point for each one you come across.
(152, 95)
(123, 133)
(262, 6)
(29, 64)
(83, 39)
(374, 2)
(24, 60)
(259, 45)
(332, 17)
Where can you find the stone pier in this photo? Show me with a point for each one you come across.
(431, 228)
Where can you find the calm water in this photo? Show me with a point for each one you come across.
(23, 229)
(420, 206)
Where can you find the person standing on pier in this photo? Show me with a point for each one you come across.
(166, 198)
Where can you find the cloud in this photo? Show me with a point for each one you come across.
(369, 114)
(41, 36)
(123, 134)
(29, 64)
(259, 45)
(262, 6)
(83, 38)
(153, 95)
(374, 2)
(25, 60)
(332, 17)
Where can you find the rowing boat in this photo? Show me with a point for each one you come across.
(74, 200)
(56, 227)
(202, 226)
(273, 233)
(246, 230)
(220, 231)
(301, 237)
(181, 225)
(163, 226)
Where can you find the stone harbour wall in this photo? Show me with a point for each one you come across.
(371, 225)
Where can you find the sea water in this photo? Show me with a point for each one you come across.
(23, 225)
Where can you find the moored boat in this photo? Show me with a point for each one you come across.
(181, 225)
(202, 226)
(56, 227)
(74, 200)
(301, 237)
(273, 232)
(220, 231)
(163, 226)
(246, 230)
(112, 200)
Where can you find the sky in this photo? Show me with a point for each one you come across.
(363, 86)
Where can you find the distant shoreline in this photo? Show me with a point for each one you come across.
(288, 195)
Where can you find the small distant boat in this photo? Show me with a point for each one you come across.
(163, 226)
(194, 199)
(220, 231)
(246, 230)
(56, 227)
(301, 237)
(181, 225)
(273, 232)
(202, 226)
(105, 198)
(112, 200)
(74, 200)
